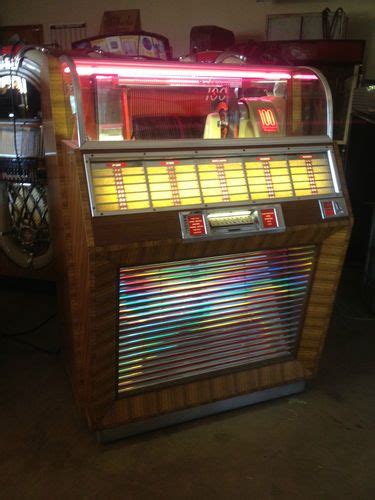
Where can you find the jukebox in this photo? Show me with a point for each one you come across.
(201, 222)
(25, 246)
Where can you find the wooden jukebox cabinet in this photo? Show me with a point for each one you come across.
(202, 223)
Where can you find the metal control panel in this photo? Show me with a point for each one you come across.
(333, 208)
(226, 223)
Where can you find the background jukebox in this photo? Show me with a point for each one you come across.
(25, 246)
(201, 223)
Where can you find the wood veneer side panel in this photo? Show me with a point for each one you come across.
(323, 292)
(75, 283)
(103, 337)
(75, 257)
(60, 207)
(98, 292)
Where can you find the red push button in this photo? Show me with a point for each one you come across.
(328, 208)
(269, 218)
(196, 225)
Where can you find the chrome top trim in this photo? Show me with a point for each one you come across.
(200, 144)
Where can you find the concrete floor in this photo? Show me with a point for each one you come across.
(319, 444)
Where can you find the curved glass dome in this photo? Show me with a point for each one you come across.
(143, 100)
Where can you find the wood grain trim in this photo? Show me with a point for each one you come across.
(142, 407)
(323, 292)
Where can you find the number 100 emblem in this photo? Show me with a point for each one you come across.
(267, 120)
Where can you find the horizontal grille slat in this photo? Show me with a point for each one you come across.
(207, 368)
(214, 347)
(210, 300)
(186, 345)
(148, 282)
(250, 322)
(205, 275)
(219, 312)
(226, 293)
(181, 319)
(233, 357)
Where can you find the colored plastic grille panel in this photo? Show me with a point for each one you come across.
(187, 318)
(157, 185)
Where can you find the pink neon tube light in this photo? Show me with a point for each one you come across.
(173, 72)
(305, 77)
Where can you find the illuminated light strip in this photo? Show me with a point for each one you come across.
(223, 182)
(174, 185)
(230, 319)
(311, 175)
(268, 177)
(162, 71)
(305, 77)
(119, 183)
(237, 213)
(333, 172)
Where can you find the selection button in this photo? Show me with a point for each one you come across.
(269, 218)
(196, 225)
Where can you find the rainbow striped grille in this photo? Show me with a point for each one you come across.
(187, 318)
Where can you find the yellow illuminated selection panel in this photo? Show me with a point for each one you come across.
(152, 185)
(269, 178)
(311, 175)
(223, 181)
(173, 184)
(119, 186)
